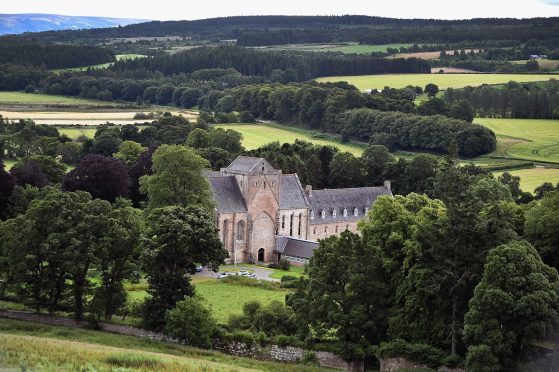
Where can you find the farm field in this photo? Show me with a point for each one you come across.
(427, 55)
(225, 299)
(21, 98)
(346, 48)
(527, 139)
(87, 117)
(30, 346)
(119, 57)
(444, 81)
(256, 135)
(544, 63)
(534, 177)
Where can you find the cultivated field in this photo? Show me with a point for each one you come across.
(102, 65)
(427, 55)
(528, 139)
(21, 98)
(29, 346)
(346, 48)
(545, 64)
(364, 82)
(256, 135)
(534, 177)
(87, 117)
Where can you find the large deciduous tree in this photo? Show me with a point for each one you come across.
(514, 304)
(104, 178)
(177, 239)
(542, 227)
(7, 184)
(177, 179)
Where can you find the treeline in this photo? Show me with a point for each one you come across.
(513, 100)
(19, 51)
(299, 66)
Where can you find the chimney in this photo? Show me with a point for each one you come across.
(308, 190)
(388, 184)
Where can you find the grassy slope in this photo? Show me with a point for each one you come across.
(444, 81)
(534, 177)
(102, 65)
(256, 135)
(53, 348)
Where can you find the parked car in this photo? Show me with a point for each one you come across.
(199, 268)
(223, 275)
(253, 276)
(243, 273)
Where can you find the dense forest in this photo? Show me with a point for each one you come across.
(19, 51)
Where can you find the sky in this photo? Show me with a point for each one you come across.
(188, 9)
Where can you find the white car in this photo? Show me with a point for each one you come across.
(243, 273)
(222, 275)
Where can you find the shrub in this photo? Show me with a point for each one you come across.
(289, 281)
(309, 357)
(420, 353)
(190, 321)
(481, 358)
(285, 340)
(135, 361)
(250, 282)
(284, 264)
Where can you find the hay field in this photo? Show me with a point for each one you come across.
(21, 98)
(444, 81)
(534, 177)
(346, 48)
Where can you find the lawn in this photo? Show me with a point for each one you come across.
(534, 177)
(225, 299)
(256, 135)
(527, 139)
(33, 346)
(21, 98)
(364, 82)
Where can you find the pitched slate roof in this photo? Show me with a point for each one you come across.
(291, 193)
(295, 247)
(226, 193)
(243, 164)
(337, 200)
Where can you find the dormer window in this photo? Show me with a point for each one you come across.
(334, 213)
(345, 212)
(312, 215)
(356, 212)
(262, 168)
(323, 214)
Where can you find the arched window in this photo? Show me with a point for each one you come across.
(312, 215)
(225, 233)
(241, 230)
(299, 229)
(356, 212)
(261, 255)
(334, 213)
(336, 229)
(345, 212)
(283, 221)
(314, 231)
(291, 225)
(323, 214)
(264, 184)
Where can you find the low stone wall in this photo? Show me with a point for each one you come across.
(288, 354)
(396, 364)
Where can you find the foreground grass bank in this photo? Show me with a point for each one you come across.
(42, 347)
(444, 81)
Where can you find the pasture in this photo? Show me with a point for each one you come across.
(346, 48)
(534, 177)
(21, 98)
(30, 346)
(428, 55)
(526, 139)
(256, 135)
(119, 57)
(444, 81)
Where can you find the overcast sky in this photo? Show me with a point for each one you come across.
(187, 9)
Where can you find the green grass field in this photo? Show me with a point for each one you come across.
(346, 48)
(256, 135)
(102, 65)
(444, 81)
(534, 177)
(223, 298)
(528, 139)
(30, 346)
(21, 98)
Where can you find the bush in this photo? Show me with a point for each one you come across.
(284, 264)
(285, 340)
(288, 281)
(309, 357)
(190, 321)
(250, 282)
(480, 358)
(420, 353)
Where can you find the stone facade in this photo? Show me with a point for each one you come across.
(256, 204)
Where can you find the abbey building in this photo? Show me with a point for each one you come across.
(264, 215)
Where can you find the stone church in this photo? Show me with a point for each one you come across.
(264, 215)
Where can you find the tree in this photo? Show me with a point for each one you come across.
(53, 170)
(177, 240)
(7, 184)
(345, 170)
(129, 152)
(198, 138)
(69, 152)
(102, 177)
(177, 179)
(376, 160)
(431, 89)
(190, 321)
(462, 110)
(29, 173)
(106, 143)
(165, 94)
(345, 294)
(542, 227)
(542, 189)
(514, 304)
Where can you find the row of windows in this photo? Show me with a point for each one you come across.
(334, 212)
(299, 224)
(240, 230)
(336, 229)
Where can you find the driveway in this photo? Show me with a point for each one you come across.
(260, 272)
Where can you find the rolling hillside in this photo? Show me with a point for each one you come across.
(20, 23)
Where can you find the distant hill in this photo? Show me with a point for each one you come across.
(20, 23)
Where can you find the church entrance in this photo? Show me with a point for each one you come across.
(261, 255)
